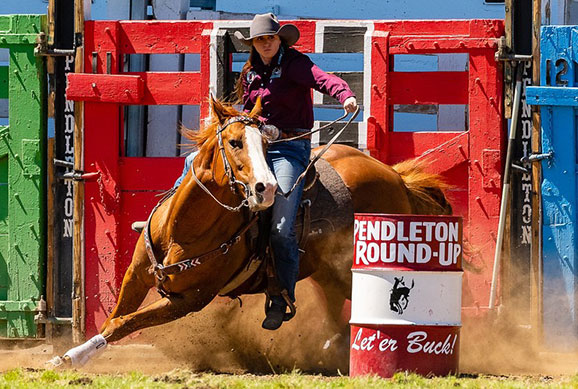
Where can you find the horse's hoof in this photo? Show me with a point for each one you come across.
(58, 362)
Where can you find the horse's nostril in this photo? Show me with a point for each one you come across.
(259, 187)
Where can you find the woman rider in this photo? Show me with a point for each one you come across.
(283, 78)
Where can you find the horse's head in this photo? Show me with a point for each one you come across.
(240, 145)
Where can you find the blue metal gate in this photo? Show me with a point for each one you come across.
(558, 97)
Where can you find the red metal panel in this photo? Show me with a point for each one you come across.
(486, 28)
(161, 37)
(449, 154)
(136, 206)
(439, 44)
(171, 88)
(306, 42)
(101, 38)
(492, 168)
(425, 27)
(126, 189)
(486, 133)
(407, 145)
(105, 88)
(205, 71)
(102, 198)
(428, 88)
(379, 122)
(138, 174)
(471, 160)
(147, 88)
(471, 28)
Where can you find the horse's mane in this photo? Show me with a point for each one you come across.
(426, 189)
(207, 133)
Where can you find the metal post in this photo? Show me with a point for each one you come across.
(506, 185)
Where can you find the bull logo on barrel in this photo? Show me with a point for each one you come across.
(399, 297)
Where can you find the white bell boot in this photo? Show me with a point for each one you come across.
(80, 355)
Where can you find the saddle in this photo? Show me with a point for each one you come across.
(326, 206)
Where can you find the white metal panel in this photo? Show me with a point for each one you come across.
(170, 9)
(434, 298)
(162, 133)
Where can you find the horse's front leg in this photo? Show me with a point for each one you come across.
(159, 312)
(135, 286)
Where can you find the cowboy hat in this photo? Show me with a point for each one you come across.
(267, 24)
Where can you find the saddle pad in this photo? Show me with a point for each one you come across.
(331, 203)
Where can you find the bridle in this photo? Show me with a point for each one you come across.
(247, 193)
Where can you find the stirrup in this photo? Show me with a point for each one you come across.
(292, 308)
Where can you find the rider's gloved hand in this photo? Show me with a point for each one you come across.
(350, 104)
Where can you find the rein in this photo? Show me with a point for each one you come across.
(307, 133)
(325, 148)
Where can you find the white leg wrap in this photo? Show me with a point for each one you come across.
(79, 355)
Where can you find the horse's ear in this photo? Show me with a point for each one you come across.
(218, 110)
(256, 111)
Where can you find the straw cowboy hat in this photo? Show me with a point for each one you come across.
(267, 24)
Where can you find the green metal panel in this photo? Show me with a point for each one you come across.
(22, 177)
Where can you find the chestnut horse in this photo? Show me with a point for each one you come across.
(191, 222)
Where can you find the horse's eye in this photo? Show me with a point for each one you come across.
(236, 143)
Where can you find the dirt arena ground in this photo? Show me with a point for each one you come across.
(226, 340)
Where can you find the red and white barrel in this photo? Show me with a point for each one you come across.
(406, 296)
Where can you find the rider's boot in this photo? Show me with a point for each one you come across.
(275, 313)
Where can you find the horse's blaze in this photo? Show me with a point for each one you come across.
(261, 172)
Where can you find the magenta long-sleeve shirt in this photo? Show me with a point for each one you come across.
(286, 95)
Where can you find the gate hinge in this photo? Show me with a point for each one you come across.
(41, 318)
(44, 49)
(503, 54)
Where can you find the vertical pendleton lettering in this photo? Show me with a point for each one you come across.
(68, 223)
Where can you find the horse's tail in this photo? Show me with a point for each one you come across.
(426, 190)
